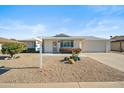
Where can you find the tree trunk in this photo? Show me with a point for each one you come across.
(11, 55)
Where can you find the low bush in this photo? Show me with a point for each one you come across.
(75, 58)
(13, 48)
(72, 59)
(30, 50)
(66, 59)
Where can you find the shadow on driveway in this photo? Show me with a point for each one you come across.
(22, 67)
(3, 57)
(9, 68)
(3, 70)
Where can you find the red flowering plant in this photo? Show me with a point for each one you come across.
(75, 54)
(76, 51)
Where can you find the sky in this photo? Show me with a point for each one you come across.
(24, 22)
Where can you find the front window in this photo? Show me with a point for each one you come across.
(66, 43)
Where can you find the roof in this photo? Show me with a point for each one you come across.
(66, 37)
(118, 38)
(27, 40)
(76, 37)
(61, 35)
(5, 40)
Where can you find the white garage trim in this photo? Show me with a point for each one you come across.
(95, 46)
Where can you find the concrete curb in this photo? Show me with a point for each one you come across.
(65, 85)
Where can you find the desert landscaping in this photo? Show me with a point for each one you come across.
(26, 70)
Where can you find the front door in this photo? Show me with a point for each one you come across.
(54, 46)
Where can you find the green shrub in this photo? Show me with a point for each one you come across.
(66, 59)
(30, 50)
(13, 48)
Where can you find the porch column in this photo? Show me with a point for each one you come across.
(80, 44)
(58, 46)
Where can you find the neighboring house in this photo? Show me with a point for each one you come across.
(117, 43)
(4, 40)
(0, 46)
(32, 45)
(53, 44)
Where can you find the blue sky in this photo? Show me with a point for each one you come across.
(23, 22)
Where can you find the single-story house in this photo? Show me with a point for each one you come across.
(5, 40)
(53, 44)
(117, 43)
(32, 45)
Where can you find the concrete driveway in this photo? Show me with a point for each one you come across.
(114, 60)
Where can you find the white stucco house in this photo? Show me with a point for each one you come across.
(53, 44)
(31, 44)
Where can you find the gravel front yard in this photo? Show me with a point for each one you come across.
(25, 70)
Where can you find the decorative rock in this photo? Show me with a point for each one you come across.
(71, 61)
(65, 62)
(7, 58)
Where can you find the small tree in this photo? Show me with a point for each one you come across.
(13, 48)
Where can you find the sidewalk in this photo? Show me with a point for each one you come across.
(65, 85)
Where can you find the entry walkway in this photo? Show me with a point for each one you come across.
(59, 54)
(114, 60)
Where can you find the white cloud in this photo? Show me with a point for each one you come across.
(103, 27)
(107, 10)
(63, 29)
(20, 30)
(4, 27)
(14, 26)
(66, 20)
